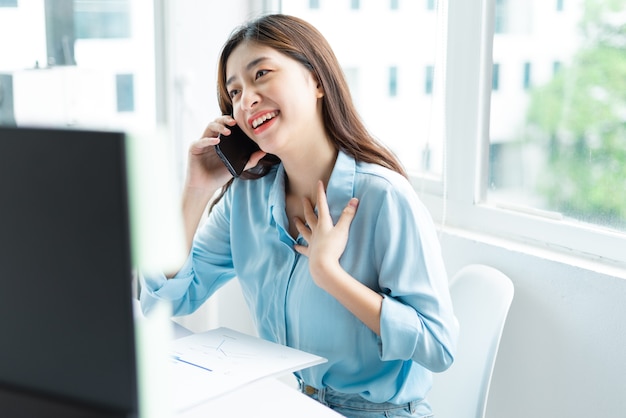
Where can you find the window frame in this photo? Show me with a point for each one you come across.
(459, 199)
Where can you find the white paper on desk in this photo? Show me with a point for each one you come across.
(209, 364)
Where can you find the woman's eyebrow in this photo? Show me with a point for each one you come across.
(250, 65)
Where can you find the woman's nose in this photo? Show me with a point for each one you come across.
(249, 99)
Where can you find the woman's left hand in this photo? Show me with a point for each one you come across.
(326, 242)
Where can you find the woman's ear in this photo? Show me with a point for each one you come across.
(320, 91)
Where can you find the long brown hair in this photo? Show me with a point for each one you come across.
(301, 41)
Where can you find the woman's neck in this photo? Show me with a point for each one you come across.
(307, 168)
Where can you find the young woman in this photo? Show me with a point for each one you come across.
(334, 251)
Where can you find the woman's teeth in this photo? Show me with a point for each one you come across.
(258, 121)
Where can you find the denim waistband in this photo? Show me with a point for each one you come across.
(334, 399)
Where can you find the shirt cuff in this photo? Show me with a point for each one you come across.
(400, 329)
(156, 285)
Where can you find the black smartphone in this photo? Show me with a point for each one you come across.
(235, 150)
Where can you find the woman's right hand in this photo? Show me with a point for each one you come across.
(206, 173)
(205, 169)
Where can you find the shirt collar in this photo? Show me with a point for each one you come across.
(339, 191)
(341, 184)
(276, 200)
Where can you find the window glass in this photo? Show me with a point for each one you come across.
(386, 70)
(78, 63)
(393, 81)
(558, 109)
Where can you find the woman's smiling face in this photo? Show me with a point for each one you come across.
(275, 98)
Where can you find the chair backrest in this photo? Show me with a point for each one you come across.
(481, 296)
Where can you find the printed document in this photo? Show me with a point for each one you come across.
(212, 363)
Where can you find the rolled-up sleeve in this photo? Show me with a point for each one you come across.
(155, 287)
(208, 267)
(417, 320)
(404, 336)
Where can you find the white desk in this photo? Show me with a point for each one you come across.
(270, 397)
(263, 398)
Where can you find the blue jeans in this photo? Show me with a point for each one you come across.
(354, 406)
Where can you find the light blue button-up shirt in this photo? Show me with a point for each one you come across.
(392, 248)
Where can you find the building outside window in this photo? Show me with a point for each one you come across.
(102, 19)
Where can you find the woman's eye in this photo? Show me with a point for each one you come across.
(261, 73)
(233, 93)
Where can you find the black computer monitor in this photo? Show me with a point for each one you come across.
(67, 343)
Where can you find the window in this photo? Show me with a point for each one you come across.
(314, 4)
(495, 78)
(393, 81)
(538, 166)
(500, 16)
(559, 5)
(355, 4)
(394, 4)
(125, 92)
(569, 123)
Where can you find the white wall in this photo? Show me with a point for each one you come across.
(562, 351)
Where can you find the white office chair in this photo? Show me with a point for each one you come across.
(481, 296)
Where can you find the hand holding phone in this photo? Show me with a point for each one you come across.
(235, 150)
